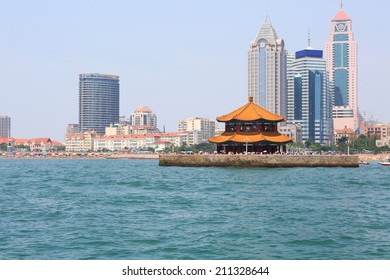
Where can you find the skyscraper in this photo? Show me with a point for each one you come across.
(5, 127)
(341, 60)
(267, 70)
(98, 101)
(310, 96)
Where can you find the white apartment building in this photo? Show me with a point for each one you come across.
(121, 142)
(89, 141)
(200, 129)
(78, 142)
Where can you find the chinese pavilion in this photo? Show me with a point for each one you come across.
(251, 128)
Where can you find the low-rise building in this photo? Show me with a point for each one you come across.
(36, 145)
(77, 142)
(292, 130)
(384, 141)
(346, 132)
(89, 141)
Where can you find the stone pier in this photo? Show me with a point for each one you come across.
(259, 160)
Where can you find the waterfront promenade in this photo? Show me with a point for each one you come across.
(254, 160)
(362, 157)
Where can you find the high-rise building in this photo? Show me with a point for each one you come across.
(98, 101)
(203, 126)
(341, 61)
(310, 96)
(267, 70)
(5, 127)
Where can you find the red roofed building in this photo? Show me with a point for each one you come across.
(34, 144)
(345, 132)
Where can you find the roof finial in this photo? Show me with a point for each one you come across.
(250, 98)
(341, 4)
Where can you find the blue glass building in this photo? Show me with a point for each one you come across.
(310, 96)
(98, 101)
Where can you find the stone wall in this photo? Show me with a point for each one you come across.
(260, 160)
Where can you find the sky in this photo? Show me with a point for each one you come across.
(181, 58)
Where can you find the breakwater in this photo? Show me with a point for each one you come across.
(259, 160)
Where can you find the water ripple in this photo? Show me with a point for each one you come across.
(134, 209)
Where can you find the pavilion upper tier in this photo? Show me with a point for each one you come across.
(250, 112)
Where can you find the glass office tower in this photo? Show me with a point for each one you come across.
(341, 59)
(267, 71)
(98, 101)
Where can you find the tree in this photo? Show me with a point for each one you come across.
(3, 146)
(205, 147)
(22, 147)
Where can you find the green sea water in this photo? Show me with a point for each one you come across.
(135, 209)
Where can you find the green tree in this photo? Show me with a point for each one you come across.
(3, 146)
(22, 147)
(205, 147)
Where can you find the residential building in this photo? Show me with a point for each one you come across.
(78, 142)
(346, 132)
(379, 130)
(5, 127)
(341, 63)
(116, 129)
(98, 101)
(124, 120)
(89, 141)
(36, 145)
(143, 121)
(310, 96)
(121, 142)
(293, 131)
(267, 70)
(385, 141)
(73, 128)
(200, 129)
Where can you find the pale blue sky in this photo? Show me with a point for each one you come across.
(181, 58)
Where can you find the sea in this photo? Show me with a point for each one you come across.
(133, 209)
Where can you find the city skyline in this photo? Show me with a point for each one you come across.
(190, 57)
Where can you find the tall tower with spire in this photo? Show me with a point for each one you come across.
(341, 60)
(267, 82)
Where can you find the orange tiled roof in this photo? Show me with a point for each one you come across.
(253, 137)
(345, 130)
(143, 108)
(22, 141)
(250, 112)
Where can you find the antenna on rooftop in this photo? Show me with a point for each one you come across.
(308, 38)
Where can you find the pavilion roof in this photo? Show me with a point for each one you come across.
(250, 112)
(250, 137)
